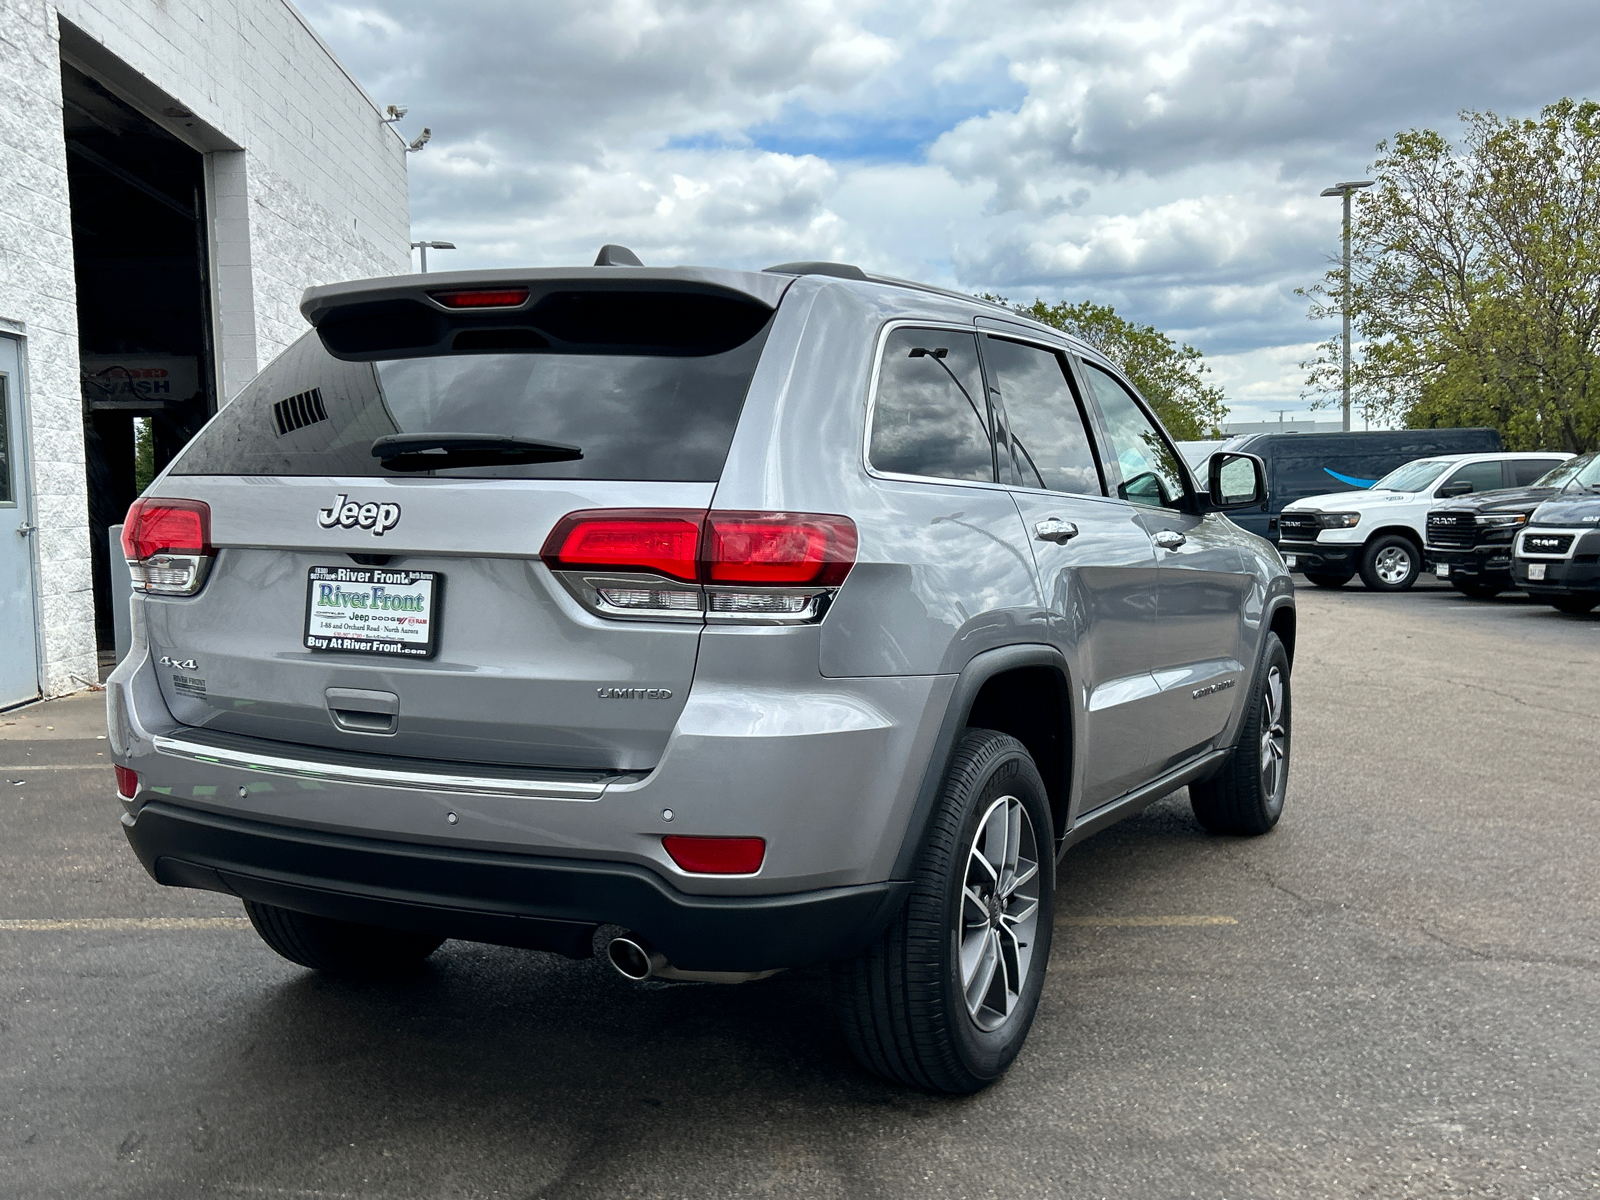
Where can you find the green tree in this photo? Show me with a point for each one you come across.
(1170, 376)
(1476, 281)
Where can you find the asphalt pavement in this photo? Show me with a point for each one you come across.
(1395, 994)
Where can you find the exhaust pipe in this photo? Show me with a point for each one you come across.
(637, 960)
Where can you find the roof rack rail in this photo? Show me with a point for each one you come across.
(837, 270)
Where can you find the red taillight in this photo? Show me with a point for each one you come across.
(717, 855)
(127, 782)
(482, 297)
(778, 549)
(660, 541)
(162, 526)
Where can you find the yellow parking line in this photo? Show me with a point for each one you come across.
(1145, 922)
(123, 924)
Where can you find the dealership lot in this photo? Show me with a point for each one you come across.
(1397, 993)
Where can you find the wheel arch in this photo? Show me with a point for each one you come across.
(1024, 691)
(1405, 531)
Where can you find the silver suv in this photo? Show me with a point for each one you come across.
(718, 621)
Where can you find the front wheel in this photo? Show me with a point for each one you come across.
(1245, 797)
(1328, 581)
(1474, 590)
(1390, 563)
(944, 998)
(1574, 605)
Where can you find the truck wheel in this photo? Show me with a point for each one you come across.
(1476, 590)
(944, 998)
(1575, 605)
(1390, 563)
(1245, 797)
(1328, 581)
(340, 947)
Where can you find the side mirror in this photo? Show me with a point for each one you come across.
(1460, 487)
(1236, 481)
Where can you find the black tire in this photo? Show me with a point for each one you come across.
(1238, 799)
(1575, 605)
(1381, 558)
(1328, 581)
(340, 947)
(901, 1001)
(1472, 589)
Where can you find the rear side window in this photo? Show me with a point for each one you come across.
(664, 414)
(1049, 443)
(1525, 470)
(930, 416)
(1483, 476)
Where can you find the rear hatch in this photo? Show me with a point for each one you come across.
(379, 496)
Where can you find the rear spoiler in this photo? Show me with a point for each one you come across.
(583, 310)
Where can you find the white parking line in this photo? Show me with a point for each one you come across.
(123, 924)
(1145, 922)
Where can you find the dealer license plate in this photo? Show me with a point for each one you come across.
(353, 610)
(1290, 560)
(1536, 571)
(1442, 570)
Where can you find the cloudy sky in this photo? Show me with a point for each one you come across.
(1161, 157)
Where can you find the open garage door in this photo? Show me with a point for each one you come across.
(144, 329)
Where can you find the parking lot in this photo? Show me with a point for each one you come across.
(1396, 993)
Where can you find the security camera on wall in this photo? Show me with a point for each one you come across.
(396, 111)
(421, 140)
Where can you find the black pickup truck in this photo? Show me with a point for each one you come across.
(1470, 540)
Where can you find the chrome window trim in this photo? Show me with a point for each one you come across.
(1551, 531)
(271, 764)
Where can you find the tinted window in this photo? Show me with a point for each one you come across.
(1483, 476)
(1050, 446)
(930, 416)
(1525, 470)
(1151, 473)
(6, 494)
(634, 416)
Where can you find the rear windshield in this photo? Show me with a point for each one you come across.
(633, 416)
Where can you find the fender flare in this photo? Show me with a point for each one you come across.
(978, 671)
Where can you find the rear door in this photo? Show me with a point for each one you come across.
(1096, 564)
(19, 667)
(399, 605)
(1204, 588)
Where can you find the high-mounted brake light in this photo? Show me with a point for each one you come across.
(482, 297)
(168, 545)
(717, 855)
(750, 566)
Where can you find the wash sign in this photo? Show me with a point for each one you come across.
(139, 376)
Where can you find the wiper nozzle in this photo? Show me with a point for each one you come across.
(435, 451)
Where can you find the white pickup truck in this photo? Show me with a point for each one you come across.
(1379, 532)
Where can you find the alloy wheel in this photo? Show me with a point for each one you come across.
(1274, 736)
(999, 912)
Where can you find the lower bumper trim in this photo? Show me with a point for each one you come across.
(506, 899)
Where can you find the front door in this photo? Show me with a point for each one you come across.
(19, 665)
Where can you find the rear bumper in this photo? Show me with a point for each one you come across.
(1320, 558)
(507, 899)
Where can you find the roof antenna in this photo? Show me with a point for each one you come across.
(616, 256)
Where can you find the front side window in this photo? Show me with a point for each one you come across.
(1483, 476)
(1151, 473)
(1049, 443)
(930, 416)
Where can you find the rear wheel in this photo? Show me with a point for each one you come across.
(1390, 563)
(945, 997)
(1575, 605)
(1245, 797)
(340, 947)
(1328, 581)
(1476, 590)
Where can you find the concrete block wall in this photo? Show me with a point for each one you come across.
(306, 186)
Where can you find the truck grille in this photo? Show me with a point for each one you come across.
(1546, 543)
(1452, 529)
(1297, 527)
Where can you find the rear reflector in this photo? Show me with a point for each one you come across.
(127, 782)
(658, 541)
(717, 855)
(482, 298)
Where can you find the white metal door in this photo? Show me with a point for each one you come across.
(19, 666)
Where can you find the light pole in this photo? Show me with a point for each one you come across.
(424, 247)
(1344, 190)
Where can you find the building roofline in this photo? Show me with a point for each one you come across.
(343, 70)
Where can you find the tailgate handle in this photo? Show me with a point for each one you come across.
(357, 710)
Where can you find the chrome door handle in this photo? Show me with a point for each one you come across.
(1169, 539)
(1054, 529)
(25, 529)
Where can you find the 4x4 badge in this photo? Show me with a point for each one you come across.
(347, 514)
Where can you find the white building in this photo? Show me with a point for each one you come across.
(173, 173)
